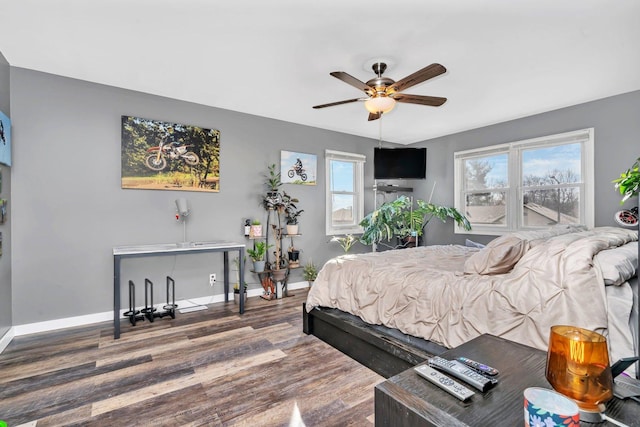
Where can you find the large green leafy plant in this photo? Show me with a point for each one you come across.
(399, 218)
(629, 182)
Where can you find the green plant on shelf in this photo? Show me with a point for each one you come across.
(258, 252)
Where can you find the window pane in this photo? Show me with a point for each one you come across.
(486, 172)
(342, 212)
(342, 175)
(546, 207)
(559, 164)
(488, 208)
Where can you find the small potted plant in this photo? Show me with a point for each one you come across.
(629, 182)
(294, 257)
(273, 183)
(236, 293)
(256, 228)
(346, 242)
(291, 215)
(310, 272)
(257, 254)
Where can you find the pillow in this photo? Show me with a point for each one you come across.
(618, 264)
(501, 254)
(498, 257)
(471, 244)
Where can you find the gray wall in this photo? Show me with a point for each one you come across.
(69, 209)
(5, 229)
(617, 145)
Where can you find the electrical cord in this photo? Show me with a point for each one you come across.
(612, 421)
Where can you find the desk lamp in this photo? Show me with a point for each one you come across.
(183, 211)
(578, 367)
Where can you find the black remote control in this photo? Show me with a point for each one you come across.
(444, 382)
(480, 367)
(463, 372)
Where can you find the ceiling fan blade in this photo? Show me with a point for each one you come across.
(337, 103)
(428, 72)
(350, 80)
(434, 101)
(374, 116)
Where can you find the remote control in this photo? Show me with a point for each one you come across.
(444, 382)
(480, 367)
(463, 372)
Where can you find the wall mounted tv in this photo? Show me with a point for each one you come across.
(400, 163)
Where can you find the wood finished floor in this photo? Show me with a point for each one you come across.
(205, 368)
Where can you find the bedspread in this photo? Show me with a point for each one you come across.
(423, 291)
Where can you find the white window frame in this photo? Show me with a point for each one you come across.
(514, 189)
(358, 185)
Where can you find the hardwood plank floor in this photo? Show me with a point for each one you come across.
(205, 368)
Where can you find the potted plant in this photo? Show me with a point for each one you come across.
(256, 228)
(399, 219)
(273, 183)
(346, 242)
(291, 214)
(629, 182)
(257, 254)
(236, 293)
(294, 257)
(310, 272)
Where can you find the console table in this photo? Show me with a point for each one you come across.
(409, 400)
(137, 251)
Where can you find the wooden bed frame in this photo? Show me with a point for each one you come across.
(384, 350)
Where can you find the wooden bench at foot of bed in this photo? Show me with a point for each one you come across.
(384, 350)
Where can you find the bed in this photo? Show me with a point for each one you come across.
(422, 301)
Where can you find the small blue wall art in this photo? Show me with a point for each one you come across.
(5, 139)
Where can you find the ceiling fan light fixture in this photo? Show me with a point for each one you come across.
(380, 104)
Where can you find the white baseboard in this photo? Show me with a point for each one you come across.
(6, 339)
(69, 322)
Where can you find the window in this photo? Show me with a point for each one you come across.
(345, 192)
(529, 184)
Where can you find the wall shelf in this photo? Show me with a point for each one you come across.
(392, 189)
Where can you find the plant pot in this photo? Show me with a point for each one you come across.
(294, 258)
(278, 275)
(255, 231)
(292, 228)
(409, 241)
(236, 297)
(258, 266)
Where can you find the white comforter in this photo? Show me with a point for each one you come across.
(424, 292)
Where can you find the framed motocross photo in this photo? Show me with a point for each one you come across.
(298, 168)
(159, 155)
(5, 139)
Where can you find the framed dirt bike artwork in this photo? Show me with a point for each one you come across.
(298, 168)
(159, 155)
(5, 139)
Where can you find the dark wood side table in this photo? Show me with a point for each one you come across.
(409, 400)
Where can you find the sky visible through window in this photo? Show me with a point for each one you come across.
(342, 180)
(538, 162)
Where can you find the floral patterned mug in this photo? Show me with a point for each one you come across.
(547, 408)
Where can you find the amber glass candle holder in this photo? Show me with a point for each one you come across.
(578, 366)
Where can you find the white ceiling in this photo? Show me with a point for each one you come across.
(505, 58)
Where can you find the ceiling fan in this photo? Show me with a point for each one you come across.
(382, 92)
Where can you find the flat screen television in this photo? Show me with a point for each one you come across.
(400, 163)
